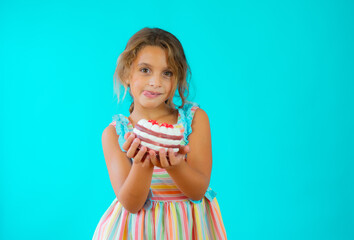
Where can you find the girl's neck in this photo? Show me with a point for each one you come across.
(161, 114)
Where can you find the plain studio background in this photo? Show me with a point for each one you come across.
(275, 77)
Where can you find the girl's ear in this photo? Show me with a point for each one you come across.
(127, 81)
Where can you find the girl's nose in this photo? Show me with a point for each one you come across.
(155, 81)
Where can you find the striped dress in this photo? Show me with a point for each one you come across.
(167, 213)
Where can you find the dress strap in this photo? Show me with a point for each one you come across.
(186, 117)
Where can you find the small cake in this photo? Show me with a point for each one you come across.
(154, 136)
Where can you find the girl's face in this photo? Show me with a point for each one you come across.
(150, 78)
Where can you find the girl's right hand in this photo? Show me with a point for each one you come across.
(131, 145)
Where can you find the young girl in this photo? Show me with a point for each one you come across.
(159, 195)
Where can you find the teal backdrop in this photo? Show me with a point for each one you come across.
(275, 77)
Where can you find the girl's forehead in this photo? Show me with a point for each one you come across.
(152, 56)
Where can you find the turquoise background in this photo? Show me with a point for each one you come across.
(275, 77)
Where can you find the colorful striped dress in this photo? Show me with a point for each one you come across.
(167, 213)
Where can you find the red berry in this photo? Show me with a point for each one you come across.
(154, 122)
(166, 125)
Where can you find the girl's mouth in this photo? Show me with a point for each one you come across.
(151, 94)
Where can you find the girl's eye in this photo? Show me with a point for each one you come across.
(168, 74)
(144, 70)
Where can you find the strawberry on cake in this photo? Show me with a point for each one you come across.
(154, 136)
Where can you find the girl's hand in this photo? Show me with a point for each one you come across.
(131, 146)
(174, 159)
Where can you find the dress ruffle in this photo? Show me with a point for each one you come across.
(187, 115)
(121, 128)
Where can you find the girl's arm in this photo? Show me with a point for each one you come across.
(192, 177)
(130, 182)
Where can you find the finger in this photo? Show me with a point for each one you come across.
(187, 149)
(153, 158)
(128, 142)
(146, 161)
(145, 155)
(172, 157)
(127, 134)
(133, 147)
(163, 159)
(184, 149)
(138, 157)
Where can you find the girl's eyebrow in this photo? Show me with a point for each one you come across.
(144, 64)
(150, 65)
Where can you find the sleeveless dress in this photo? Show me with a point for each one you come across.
(167, 212)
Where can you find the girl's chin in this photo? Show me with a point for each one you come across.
(152, 104)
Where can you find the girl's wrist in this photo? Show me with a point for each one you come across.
(142, 166)
(177, 168)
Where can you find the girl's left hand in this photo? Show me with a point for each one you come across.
(174, 158)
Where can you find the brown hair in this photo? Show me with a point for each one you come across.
(176, 60)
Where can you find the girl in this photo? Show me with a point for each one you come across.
(166, 197)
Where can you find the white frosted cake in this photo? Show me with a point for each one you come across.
(154, 136)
